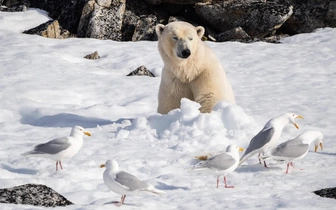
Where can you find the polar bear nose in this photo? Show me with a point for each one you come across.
(185, 53)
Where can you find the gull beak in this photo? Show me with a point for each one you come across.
(316, 147)
(87, 133)
(241, 149)
(297, 127)
(300, 117)
(102, 166)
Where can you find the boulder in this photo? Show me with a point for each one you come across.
(327, 192)
(310, 15)
(257, 18)
(33, 194)
(102, 19)
(156, 2)
(14, 5)
(145, 29)
(92, 56)
(68, 13)
(50, 29)
(141, 71)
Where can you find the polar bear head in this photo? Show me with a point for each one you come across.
(178, 40)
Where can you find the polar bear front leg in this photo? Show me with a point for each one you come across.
(166, 100)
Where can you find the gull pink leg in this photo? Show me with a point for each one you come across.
(60, 162)
(226, 186)
(217, 180)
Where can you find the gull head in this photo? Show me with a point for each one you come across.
(110, 164)
(234, 148)
(292, 117)
(78, 130)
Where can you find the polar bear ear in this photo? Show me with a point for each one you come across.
(159, 29)
(200, 31)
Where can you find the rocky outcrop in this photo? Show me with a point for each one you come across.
(92, 56)
(50, 29)
(33, 194)
(135, 20)
(141, 71)
(102, 19)
(258, 19)
(310, 15)
(327, 192)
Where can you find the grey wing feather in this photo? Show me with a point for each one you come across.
(262, 138)
(130, 181)
(52, 147)
(290, 149)
(222, 161)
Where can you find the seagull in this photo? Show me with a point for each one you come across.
(60, 148)
(269, 135)
(297, 148)
(124, 183)
(221, 164)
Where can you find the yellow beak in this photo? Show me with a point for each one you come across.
(102, 165)
(87, 133)
(299, 116)
(316, 147)
(241, 149)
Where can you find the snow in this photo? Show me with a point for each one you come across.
(46, 87)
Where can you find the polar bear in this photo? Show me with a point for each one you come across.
(191, 69)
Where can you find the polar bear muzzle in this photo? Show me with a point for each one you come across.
(184, 54)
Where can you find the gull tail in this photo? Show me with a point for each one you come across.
(155, 191)
(246, 156)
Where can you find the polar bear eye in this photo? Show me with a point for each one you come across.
(175, 38)
(190, 38)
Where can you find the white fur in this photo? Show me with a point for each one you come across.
(199, 77)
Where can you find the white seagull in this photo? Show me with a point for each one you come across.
(269, 135)
(124, 183)
(297, 148)
(221, 164)
(60, 148)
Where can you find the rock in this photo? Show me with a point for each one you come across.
(68, 13)
(14, 5)
(50, 29)
(145, 29)
(258, 19)
(310, 15)
(33, 194)
(139, 22)
(327, 192)
(156, 2)
(141, 71)
(92, 56)
(102, 22)
(233, 34)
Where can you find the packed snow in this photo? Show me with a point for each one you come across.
(47, 87)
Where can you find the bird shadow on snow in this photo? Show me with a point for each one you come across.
(163, 186)
(19, 170)
(63, 120)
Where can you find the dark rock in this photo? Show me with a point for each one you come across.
(310, 15)
(33, 194)
(102, 19)
(14, 5)
(141, 71)
(145, 29)
(327, 192)
(92, 56)
(233, 34)
(68, 13)
(258, 19)
(156, 2)
(50, 29)
(139, 22)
